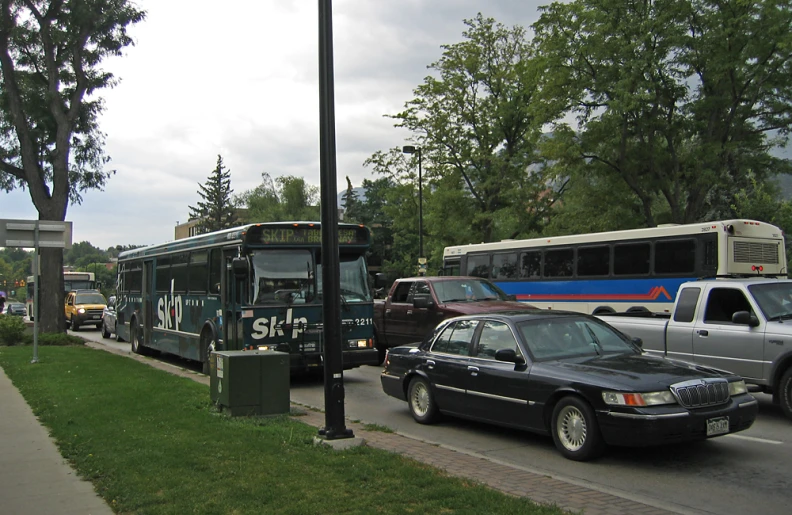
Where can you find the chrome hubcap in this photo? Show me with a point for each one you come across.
(420, 399)
(571, 428)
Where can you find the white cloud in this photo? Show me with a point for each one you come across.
(240, 79)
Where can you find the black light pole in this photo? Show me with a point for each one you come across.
(409, 149)
(331, 274)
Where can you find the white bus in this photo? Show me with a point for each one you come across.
(639, 269)
(71, 281)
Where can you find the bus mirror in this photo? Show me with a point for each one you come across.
(98, 285)
(380, 280)
(240, 267)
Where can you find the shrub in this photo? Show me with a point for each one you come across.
(59, 339)
(12, 330)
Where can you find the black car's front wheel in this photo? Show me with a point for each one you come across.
(575, 431)
(422, 404)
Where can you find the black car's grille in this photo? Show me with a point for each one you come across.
(699, 393)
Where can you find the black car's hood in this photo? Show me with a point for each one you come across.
(633, 371)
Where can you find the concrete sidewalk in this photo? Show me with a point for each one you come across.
(34, 477)
(35, 480)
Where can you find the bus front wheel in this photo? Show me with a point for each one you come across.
(209, 345)
(134, 339)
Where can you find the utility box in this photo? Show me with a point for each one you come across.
(250, 382)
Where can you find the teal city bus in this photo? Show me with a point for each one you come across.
(258, 286)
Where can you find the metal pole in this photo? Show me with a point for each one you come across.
(420, 208)
(35, 292)
(331, 274)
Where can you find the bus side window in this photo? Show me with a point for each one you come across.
(215, 270)
(531, 264)
(478, 265)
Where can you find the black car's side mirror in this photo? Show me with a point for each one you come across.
(745, 318)
(511, 297)
(637, 342)
(510, 356)
(423, 301)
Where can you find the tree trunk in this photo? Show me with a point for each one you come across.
(51, 295)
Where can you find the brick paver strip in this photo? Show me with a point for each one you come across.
(517, 482)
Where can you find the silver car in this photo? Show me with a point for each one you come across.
(109, 319)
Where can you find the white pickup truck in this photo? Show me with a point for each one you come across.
(740, 325)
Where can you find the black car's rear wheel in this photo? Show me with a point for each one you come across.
(575, 431)
(422, 404)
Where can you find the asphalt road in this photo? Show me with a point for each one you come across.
(744, 473)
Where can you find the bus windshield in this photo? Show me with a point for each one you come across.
(283, 276)
(354, 278)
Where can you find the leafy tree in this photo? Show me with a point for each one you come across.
(285, 198)
(351, 202)
(83, 252)
(216, 210)
(50, 142)
(478, 122)
(676, 99)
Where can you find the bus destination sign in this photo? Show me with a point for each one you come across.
(305, 236)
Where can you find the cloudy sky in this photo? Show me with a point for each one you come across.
(241, 81)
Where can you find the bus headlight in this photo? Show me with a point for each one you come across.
(638, 399)
(358, 344)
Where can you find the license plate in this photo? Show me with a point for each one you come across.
(97, 316)
(717, 426)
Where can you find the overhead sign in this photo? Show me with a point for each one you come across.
(22, 233)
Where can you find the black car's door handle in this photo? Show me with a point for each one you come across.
(430, 363)
(703, 332)
(473, 371)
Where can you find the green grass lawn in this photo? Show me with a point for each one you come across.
(152, 442)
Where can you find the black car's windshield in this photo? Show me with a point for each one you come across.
(566, 337)
(774, 299)
(89, 298)
(467, 290)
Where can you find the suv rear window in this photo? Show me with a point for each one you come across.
(89, 298)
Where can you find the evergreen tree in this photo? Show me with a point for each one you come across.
(215, 211)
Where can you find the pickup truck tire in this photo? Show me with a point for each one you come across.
(575, 431)
(421, 401)
(785, 393)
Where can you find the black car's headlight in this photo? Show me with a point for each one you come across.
(638, 399)
(737, 388)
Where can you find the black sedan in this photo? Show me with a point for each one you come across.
(565, 374)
